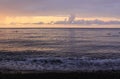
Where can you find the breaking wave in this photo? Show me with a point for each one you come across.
(61, 64)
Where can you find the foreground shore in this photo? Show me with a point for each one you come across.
(60, 75)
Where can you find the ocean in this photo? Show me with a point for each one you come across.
(60, 49)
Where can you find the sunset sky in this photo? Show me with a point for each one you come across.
(59, 12)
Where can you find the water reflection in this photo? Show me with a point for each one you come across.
(65, 41)
(72, 41)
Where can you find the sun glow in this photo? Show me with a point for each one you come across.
(20, 21)
(32, 19)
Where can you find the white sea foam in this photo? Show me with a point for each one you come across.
(61, 64)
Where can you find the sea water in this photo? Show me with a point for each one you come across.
(60, 49)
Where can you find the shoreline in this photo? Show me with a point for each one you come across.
(62, 75)
(9, 71)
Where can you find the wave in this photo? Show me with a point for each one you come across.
(61, 64)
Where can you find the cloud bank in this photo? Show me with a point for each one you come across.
(90, 22)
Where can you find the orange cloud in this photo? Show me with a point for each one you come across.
(8, 20)
(32, 19)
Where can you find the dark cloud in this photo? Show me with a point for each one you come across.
(106, 8)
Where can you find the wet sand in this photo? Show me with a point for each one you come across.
(8, 74)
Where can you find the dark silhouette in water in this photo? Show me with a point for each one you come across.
(108, 33)
(16, 31)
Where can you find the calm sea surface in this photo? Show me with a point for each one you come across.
(61, 42)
